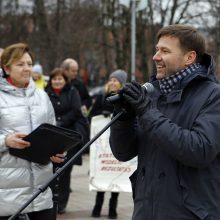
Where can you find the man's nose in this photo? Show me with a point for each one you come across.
(157, 56)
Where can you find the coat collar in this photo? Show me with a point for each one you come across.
(6, 87)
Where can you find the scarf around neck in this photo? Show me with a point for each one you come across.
(167, 84)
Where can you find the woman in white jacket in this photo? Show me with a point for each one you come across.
(23, 107)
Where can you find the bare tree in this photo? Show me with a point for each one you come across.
(42, 36)
(98, 33)
(213, 27)
(157, 14)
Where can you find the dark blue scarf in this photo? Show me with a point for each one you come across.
(167, 84)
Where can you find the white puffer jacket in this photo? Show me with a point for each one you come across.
(22, 110)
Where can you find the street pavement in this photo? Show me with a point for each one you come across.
(82, 200)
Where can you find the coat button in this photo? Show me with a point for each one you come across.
(162, 174)
(143, 173)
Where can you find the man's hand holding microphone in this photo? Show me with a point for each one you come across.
(133, 98)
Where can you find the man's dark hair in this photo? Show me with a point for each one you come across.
(189, 38)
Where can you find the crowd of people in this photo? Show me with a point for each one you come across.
(173, 130)
(66, 102)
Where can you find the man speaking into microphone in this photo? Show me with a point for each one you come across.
(174, 131)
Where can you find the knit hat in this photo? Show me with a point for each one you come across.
(120, 75)
(37, 68)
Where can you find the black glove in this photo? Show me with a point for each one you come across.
(136, 96)
(122, 106)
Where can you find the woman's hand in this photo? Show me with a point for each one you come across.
(58, 158)
(15, 140)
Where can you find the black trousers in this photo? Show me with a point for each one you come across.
(64, 188)
(61, 188)
(40, 215)
(100, 198)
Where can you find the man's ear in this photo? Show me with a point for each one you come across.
(190, 57)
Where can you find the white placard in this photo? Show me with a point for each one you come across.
(106, 172)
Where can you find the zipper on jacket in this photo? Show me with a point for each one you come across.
(30, 164)
(29, 108)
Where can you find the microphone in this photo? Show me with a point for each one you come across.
(147, 86)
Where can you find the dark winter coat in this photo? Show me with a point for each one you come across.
(101, 106)
(83, 92)
(67, 107)
(177, 141)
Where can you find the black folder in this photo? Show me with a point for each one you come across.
(47, 140)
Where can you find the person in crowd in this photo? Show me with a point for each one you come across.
(38, 77)
(174, 131)
(23, 107)
(67, 105)
(1, 51)
(116, 80)
(71, 69)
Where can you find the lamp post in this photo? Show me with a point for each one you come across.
(136, 5)
(133, 39)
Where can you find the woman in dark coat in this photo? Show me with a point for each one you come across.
(67, 107)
